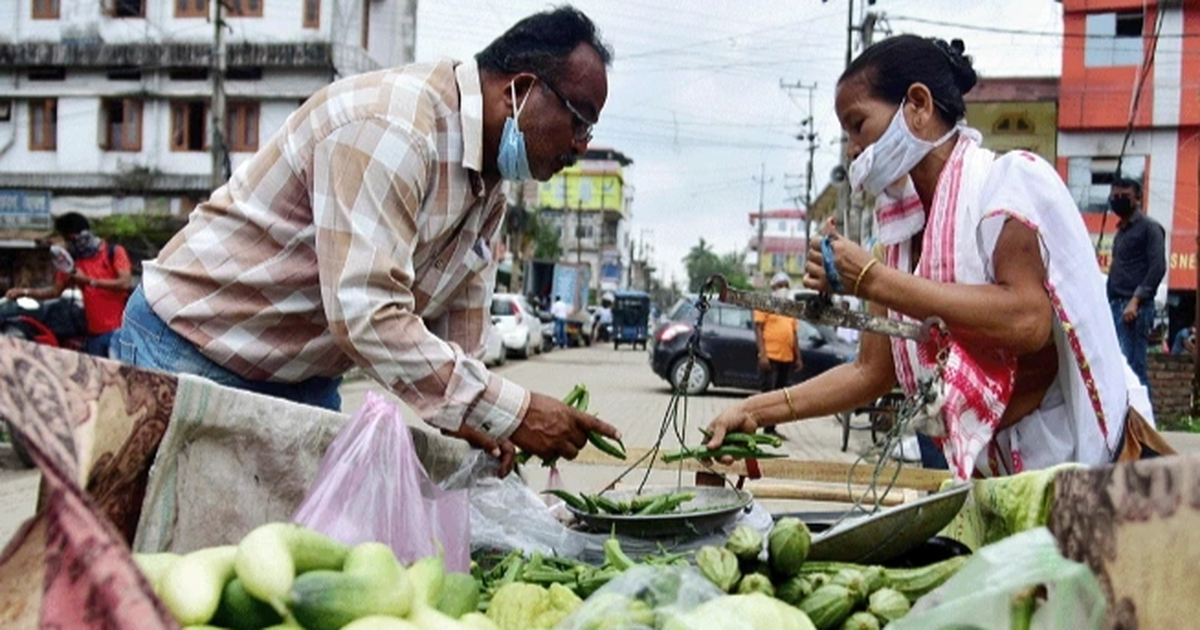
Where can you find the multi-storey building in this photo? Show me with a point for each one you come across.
(1016, 113)
(590, 204)
(783, 246)
(1130, 79)
(105, 105)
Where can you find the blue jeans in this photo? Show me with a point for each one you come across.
(98, 345)
(560, 332)
(1134, 336)
(147, 341)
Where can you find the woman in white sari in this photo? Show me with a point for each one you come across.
(1030, 373)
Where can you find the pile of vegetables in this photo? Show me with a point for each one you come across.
(576, 576)
(283, 575)
(735, 445)
(832, 594)
(286, 576)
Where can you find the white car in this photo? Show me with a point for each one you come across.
(494, 352)
(518, 324)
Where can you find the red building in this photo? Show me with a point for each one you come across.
(1135, 64)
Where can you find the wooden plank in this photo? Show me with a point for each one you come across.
(827, 472)
(828, 492)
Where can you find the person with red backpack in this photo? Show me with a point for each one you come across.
(102, 272)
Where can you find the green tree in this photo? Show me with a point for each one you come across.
(701, 262)
(546, 245)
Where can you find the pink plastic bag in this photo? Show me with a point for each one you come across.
(372, 487)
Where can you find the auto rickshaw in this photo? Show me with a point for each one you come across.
(630, 318)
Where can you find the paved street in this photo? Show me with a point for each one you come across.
(627, 393)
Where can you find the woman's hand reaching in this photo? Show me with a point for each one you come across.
(734, 419)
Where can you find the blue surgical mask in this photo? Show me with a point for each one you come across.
(512, 160)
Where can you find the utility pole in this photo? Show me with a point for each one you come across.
(579, 228)
(845, 198)
(810, 134)
(220, 157)
(762, 184)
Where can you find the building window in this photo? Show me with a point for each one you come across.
(124, 74)
(241, 127)
(45, 9)
(312, 13)
(188, 74)
(1113, 39)
(1089, 179)
(1013, 124)
(585, 189)
(189, 126)
(244, 8)
(128, 8)
(121, 121)
(366, 23)
(49, 73)
(43, 125)
(191, 8)
(244, 73)
(778, 261)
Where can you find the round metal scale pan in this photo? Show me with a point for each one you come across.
(890, 533)
(713, 508)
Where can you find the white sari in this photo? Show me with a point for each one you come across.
(1082, 416)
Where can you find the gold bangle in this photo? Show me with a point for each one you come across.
(791, 408)
(862, 274)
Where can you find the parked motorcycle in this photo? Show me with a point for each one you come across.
(58, 323)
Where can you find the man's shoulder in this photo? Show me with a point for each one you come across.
(405, 92)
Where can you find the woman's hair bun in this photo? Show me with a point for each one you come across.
(960, 64)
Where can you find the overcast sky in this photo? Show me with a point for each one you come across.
(695, 97)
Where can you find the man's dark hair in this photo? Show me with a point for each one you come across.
(71, 223)
(891, 66)
(541, 43)
(1128, 182)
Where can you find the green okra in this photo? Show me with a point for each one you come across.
(570, 499)
(608, 448)
(736, 452)
(738, 437)
(604, 503)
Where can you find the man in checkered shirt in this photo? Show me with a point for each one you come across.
(362, 235)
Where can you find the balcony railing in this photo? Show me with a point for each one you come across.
(164, 55)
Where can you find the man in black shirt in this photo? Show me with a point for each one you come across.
(1139, 262)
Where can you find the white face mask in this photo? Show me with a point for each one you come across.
(782, 293)
(892, 156)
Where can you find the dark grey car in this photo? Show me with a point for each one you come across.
(728, 355)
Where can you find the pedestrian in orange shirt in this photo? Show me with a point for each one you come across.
(778, 350)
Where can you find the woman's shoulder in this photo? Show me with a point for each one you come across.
(1024, 178)
(1022, 162)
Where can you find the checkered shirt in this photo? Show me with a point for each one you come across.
(361, 234)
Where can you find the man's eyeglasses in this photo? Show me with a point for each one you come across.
(583, 126)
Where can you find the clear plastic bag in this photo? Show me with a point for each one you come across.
(506, 514)
(643, 598)
(372, 487)
(1002, 581)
